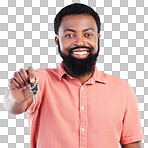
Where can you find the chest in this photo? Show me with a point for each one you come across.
(97, 104)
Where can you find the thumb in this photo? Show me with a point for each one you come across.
(31, 74)
(32, 79)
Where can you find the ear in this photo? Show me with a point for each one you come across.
(56, 40)
(99, 37)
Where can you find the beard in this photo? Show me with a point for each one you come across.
(79, 67)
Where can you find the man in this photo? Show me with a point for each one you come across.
(77, 105)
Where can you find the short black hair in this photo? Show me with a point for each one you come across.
(76, 8)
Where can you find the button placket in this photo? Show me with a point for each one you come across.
(83, 117)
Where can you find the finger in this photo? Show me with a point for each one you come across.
(14, 84)
(24, 76)
(18, 79)
(31, 74)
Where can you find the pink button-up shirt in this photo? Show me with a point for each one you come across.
(102, 113)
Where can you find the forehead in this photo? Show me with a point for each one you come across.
(78, 22)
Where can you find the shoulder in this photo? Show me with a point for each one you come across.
(113, 80)
(121, 87)
(116, 84)
(46, 73)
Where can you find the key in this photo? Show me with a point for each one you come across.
(34, 98)
(34, 89)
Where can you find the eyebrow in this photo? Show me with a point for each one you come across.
(75, 31)
(69, 30)
(88, 29)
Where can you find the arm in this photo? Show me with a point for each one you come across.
(131, 126)
(133, 145)
(19, 97)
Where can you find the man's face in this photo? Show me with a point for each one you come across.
(78, 43)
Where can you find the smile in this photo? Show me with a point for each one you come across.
(80, 53)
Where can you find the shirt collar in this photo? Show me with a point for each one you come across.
(96, 77)
(61, 71)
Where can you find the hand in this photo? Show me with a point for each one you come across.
(19, 84)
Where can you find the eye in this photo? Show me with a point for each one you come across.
(69, 35)
(88, 35)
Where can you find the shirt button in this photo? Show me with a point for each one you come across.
(82, 88)
(82, 129)
(82, 107)
(70, 77)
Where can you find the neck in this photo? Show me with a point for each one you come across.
(83, 78)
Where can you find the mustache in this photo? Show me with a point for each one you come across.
(77, 47)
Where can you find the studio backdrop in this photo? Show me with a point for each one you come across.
(27, 39)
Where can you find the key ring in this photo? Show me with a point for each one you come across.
(32, 86)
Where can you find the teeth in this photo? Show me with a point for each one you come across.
(80, 53)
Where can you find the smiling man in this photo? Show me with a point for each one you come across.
(77, 105)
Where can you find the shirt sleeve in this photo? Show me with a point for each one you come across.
(131, 130)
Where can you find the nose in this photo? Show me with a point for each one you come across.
(80, 41)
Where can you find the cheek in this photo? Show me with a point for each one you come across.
(95, 46)
(64, 46)
(66, 43)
